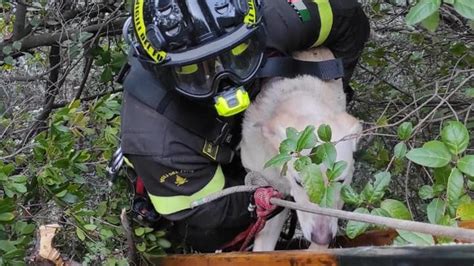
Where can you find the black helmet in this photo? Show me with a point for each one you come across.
(200, 42)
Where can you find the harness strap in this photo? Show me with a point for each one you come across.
(289, 67)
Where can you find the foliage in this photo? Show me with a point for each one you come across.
(321, 187)
(59, 126)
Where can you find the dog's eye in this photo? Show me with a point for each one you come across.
(298, 181)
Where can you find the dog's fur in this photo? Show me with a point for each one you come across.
(298, 102)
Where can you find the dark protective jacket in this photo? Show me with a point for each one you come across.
(185, 157)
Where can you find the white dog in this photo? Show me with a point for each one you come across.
(298, 102)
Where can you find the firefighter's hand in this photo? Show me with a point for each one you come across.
(262, 198)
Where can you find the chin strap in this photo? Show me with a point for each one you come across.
(289, 67)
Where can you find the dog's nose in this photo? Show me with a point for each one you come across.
(321, 237)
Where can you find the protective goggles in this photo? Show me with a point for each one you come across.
(197, 72)
(238, 64)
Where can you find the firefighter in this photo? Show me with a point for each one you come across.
(194, 67)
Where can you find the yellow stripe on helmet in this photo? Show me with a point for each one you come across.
(186, 70)
(239, 49)
(140, 28)
(250, 18)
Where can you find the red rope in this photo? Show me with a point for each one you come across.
(264, 209)
(257, 227)
(247, 235)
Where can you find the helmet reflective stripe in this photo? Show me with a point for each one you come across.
(140, 29)
(250, 18)
(186, 70)
(172, 204)
(326, 17)
(239, 49)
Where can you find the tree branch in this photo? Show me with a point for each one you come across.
(20, 21)
(113, 27)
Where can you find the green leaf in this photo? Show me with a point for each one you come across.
(470, 91)
(465, 211)
(325, 133)
(418, 239)
(400, 150)
(455, 186)
(431, 23)
(380, 212)
(139, 231)
(80, 234)
(20, 188)
(90, 227)
(301, 163)
(278, 160)
(435, 210)
(17, 45)
(337, 170)
(164, 243)
(9, 60)
(432, 154)
(106, 233)
(426, 192)
(438, 189)
(325, 153)
(367, 192)
(354, 228)
(287, 146)
(330, 198)
(141, 247)
(405, 130)
(27, 229)
(106, 75)
(455, 136)
(313, 182)
(292, 133)
(465, 8)
(7, 246)
(470, 185)
(349, 196)
(101, 209)
(466, 165)
(84, 36)
(382, 180)
(422, 10)
(6, 217)
(441, 175)
(7, 50)
(396, 209)
(7, 169)
(307, 139)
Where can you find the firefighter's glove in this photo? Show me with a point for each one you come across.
(262, 198)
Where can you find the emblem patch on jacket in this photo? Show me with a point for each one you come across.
(168, 175)
(180, 180)
(300, 8)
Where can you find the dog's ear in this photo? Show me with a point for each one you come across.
(274, 133)
(356, 130)
(350, 126)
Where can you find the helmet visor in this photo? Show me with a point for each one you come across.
(240, 62)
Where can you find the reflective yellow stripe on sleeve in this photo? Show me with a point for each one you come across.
(326, 17)
(172, 204)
